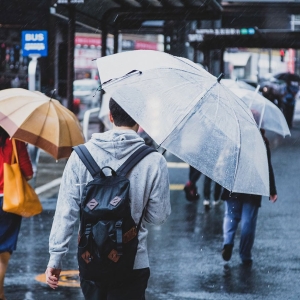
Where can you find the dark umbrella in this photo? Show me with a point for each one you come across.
(287, 77)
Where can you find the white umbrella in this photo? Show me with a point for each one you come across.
(186, 111)
(237, 84)
(267, 115)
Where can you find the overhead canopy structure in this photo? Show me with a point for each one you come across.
(261, 39)
(130, 14)
(267, 14)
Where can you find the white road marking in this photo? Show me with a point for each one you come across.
(172, 165)
(179, 165)
(44, 188)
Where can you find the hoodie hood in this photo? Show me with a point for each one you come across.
(118, 143)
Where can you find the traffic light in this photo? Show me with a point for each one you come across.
(282, 54)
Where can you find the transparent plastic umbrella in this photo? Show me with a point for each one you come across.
(186, 111)
(236, 84)
(267, 115)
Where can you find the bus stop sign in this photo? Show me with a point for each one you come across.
(35, 42)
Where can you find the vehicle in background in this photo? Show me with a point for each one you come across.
(272, 89)
(86, 95)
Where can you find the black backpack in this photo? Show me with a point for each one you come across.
(108, 237)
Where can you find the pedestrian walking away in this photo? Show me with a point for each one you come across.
(10, 223)
(243, 208)
(289, 101)
(149, 187)
(191, 191)
(207, 192)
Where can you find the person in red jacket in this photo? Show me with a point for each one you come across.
(10, 223)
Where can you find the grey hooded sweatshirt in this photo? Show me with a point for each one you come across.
(149, 184)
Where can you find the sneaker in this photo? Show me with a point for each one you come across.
(227, 251)
(247, 262)
(191, 192)
(217, 202)
(206, 203)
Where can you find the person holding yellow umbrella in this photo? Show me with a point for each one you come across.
(39, 120)
(10, 223)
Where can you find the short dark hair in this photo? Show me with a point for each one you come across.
(120, 116)
(3, 136)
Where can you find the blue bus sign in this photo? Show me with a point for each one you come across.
(35, 42)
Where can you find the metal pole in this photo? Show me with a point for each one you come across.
(116, 40)
(270, 60)
(222, 69)
(258, 68)
(70, 74)
(104, 40)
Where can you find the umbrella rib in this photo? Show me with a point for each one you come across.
(67, 125)
(186, 114)
(20, 107)
(239, 152)
(42, 128)
(136, 73)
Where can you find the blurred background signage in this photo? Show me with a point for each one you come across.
(67, 1)
(35, 42)
(199, 33)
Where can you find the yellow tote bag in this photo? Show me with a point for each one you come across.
(18, 196)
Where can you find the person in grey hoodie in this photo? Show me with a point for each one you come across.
(149, 184)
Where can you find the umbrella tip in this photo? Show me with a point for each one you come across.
(99, 89)
(220, 77)
(53, 92)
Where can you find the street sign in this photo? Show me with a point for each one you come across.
(198, 35)
(35, 42)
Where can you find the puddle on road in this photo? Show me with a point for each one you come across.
(68, 278)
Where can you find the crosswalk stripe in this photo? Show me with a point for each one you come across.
(176, 187)
(179, 165)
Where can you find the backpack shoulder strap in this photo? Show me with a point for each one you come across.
(88, 160)
(134, 158)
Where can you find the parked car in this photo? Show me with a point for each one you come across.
(86, 95)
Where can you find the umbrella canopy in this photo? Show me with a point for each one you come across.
(36, 119)
(186, 111)
(230, 83)
(287, 77)
(266, 114)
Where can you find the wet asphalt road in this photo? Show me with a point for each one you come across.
(185, 252)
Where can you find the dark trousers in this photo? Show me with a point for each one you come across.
(194, 175)
(217, 189)
(133, 289)
(289, 114)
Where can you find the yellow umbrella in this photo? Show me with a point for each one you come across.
(39, 120)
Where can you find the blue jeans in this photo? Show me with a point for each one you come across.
(237, 210)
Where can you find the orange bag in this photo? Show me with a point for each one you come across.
(18, 196)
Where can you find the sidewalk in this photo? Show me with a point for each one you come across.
(184, 252)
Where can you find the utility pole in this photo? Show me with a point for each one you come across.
(71, 44)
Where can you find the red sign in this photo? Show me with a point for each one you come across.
(141, 45)
(88, 41)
